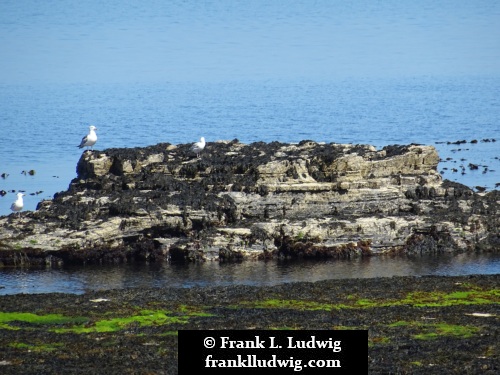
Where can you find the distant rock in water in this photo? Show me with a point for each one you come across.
(253, 201)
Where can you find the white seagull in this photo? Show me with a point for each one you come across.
(18, 204)
(90, 139)
(197, 147)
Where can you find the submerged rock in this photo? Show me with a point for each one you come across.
(253, 201)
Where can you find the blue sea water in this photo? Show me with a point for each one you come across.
(43, 124)
(144, 72)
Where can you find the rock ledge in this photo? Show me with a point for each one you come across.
(253, 201)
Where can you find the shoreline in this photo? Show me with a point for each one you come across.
(428, 324)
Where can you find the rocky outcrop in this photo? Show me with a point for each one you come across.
(258, 201)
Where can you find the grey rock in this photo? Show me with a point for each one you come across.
(255, 201)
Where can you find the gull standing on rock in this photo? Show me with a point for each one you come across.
(18, 204)
(90, 139)
(197, 147)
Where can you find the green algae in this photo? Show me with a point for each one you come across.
(366, 303)
(434, 331)
(193, 311)
(36, 347)
(429, 331)
(181, 314)
(415, 299)
(8, 319)
(466, 297)
(288, 304)
(143, 319)
(65, 324)
(146, 318)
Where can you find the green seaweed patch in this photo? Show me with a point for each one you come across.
(399, 323)
(434, 331)
(366, 303)
(193, 311)
(291, 304)
(468, 297)
(416, 299)
(112, 323)
(143, 319)
(431, 331)
(36, 347)
(8, 319)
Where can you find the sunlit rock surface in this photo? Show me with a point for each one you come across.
(253, 201)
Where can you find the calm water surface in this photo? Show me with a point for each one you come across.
(77, 280)
(44, 124)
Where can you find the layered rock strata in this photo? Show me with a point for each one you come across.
(258, 201)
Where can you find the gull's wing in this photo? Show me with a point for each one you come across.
(82, 143)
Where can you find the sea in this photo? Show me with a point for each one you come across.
(42, 125)
(328, 71)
